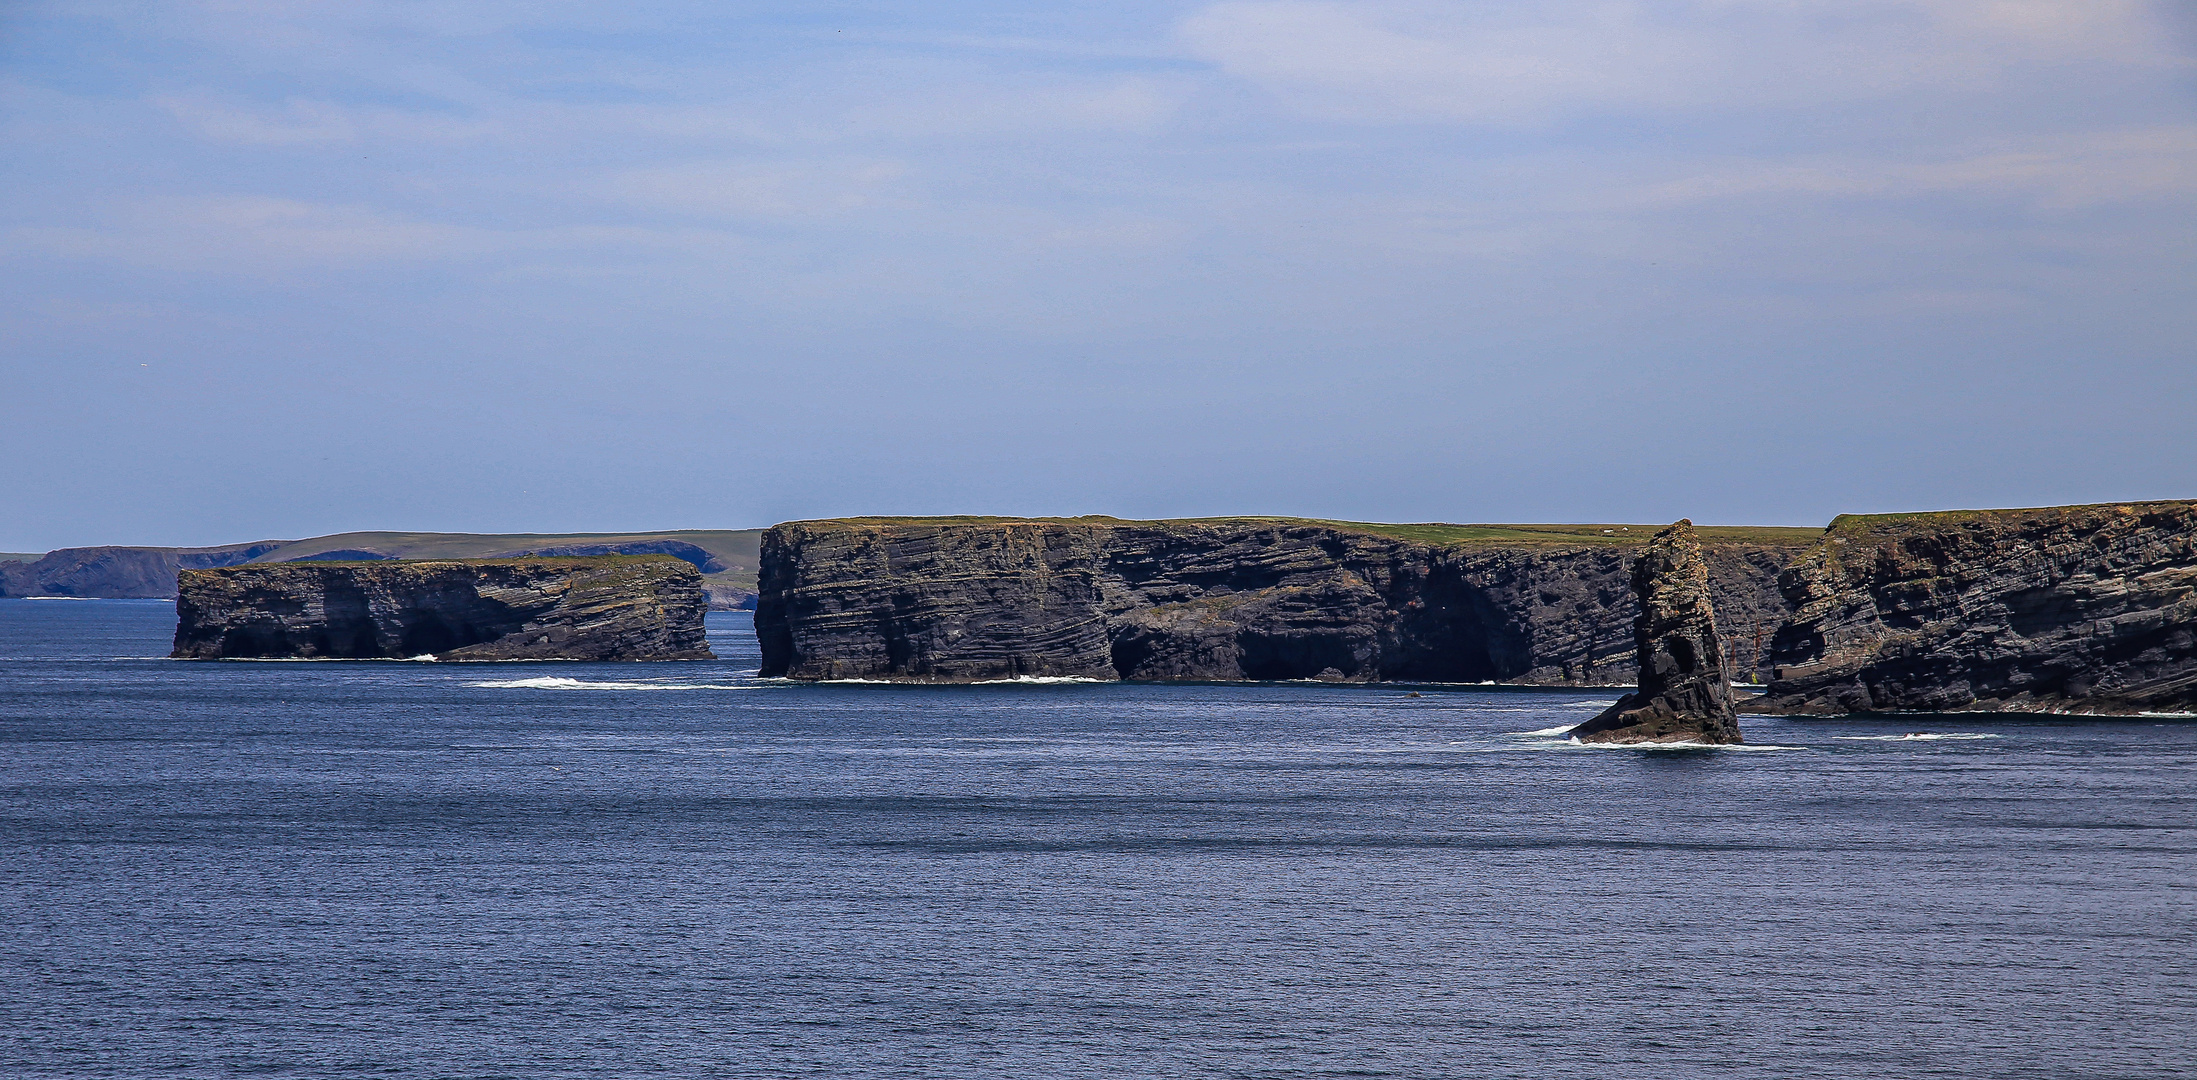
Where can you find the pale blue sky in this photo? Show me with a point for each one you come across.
(280, 269)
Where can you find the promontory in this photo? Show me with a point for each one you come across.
(620, 607)
(1231, 599)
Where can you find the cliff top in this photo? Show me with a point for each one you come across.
(734, 549)
(529, 560)
(1435, 533)
(1869, 527)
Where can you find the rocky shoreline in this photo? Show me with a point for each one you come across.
(2063, 609)
(1226, 600)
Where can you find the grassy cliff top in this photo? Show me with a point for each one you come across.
(314, 564)
(20, 556)
(1429, 533)
(1871, 526)
(736, 548)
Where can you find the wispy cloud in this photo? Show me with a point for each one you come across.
(1509, 62)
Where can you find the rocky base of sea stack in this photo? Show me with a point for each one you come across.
(606, 608)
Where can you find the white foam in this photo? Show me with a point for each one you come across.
(1544, 732)
(1039, 680)
(1920, 736)
(2176, 715)
(1019, 680)
(559, 682)
(1682, 746)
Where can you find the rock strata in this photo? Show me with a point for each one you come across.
(960, 600)
(2078, 609)
(1684, 693)
(608, 608)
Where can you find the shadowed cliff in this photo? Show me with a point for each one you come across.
(604, 608)
(1226, 599)
(2078, 608)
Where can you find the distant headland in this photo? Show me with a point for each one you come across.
(725, 558)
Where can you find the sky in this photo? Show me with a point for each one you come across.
(279, 269)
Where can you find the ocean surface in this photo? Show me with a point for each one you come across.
(375, 869)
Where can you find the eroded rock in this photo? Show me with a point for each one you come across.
(2075, 608)
(1684, 693)
(1228, 600)
(608, 608)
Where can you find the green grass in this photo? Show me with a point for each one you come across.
(736, 548)
(1428, 533)
(21, 556)
(1860, 525)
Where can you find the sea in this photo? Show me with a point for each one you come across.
(541, 870)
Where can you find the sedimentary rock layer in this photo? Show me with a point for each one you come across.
(1684, 694)
(2084, 608)
(1236, 599)
(609, 608)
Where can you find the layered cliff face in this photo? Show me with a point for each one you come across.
(611, 608)
(1684, 694)
(1224, 600)
(2086, 609)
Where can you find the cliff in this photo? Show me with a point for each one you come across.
(605, 608)
(2082, 608)
(726, 559)
(951, 600)
(1684, 694)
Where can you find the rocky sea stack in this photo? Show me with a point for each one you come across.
(607, 608)
(1685, 694)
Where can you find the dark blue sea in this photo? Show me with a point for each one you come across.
(377, 869)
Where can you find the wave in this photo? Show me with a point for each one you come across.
(1746, 747)
(1019, 680)
(1920, 736)
(1544, 732)
(559, 682)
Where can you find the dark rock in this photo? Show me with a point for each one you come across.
(2079, 608)
(1241, 599)
(610, 608)
(1685, 694)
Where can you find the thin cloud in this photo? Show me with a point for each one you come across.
(1514, 63)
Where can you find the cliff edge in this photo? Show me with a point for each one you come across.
(2077, 609)
(972, 599)
(604, 608)
(1684, 694)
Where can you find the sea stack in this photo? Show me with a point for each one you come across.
(1684, 695)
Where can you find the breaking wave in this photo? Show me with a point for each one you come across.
(1920, 736)
(559, 682)
(1544, 732)
(1749, 747)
